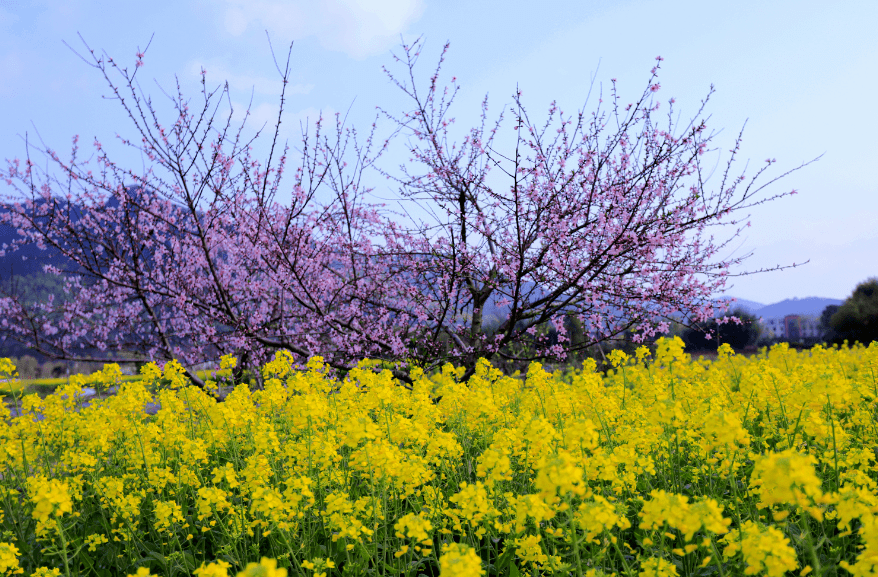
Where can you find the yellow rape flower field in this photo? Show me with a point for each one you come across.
(663, 466)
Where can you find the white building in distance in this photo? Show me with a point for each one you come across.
(793, 327)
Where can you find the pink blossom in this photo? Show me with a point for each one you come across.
(603, 222)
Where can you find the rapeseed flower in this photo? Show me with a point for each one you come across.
(528, 548)
(459, 560)
(676, 512)
(724, 429)
(648, 458)
(559, 475)
(415, 527)
(600, 515)
(787, 477)
(764, 549)
(318, 566)
(474, 504)
(494, 465)
(9, 559)
(867, 559)
(265, 568)
(656, 567)
(346, 518)
(215, 569)
(167, 515)
(50, 497)
(95, 540)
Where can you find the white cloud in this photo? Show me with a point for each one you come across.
(359, 28)
(7, 18)
(261, 114)
(265, 114)
(236, 21)
(308, 116)
(217, 74)
(12, 68)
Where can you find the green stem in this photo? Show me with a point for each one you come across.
(571, 529)
(718, 557)
(64, 547)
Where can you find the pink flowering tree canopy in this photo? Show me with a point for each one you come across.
(603, 220)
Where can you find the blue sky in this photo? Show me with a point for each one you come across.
(802, 74)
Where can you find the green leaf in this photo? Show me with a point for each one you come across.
(189, 560)
(505, 560)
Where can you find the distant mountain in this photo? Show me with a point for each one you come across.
(26, 260)
(810, 306)
(748, 306)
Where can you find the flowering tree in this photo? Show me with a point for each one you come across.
(195, 257)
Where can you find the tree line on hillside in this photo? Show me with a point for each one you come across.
(36, 277)
(856, 319)
(586, 229)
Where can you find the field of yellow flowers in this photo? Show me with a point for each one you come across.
(664, 466)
